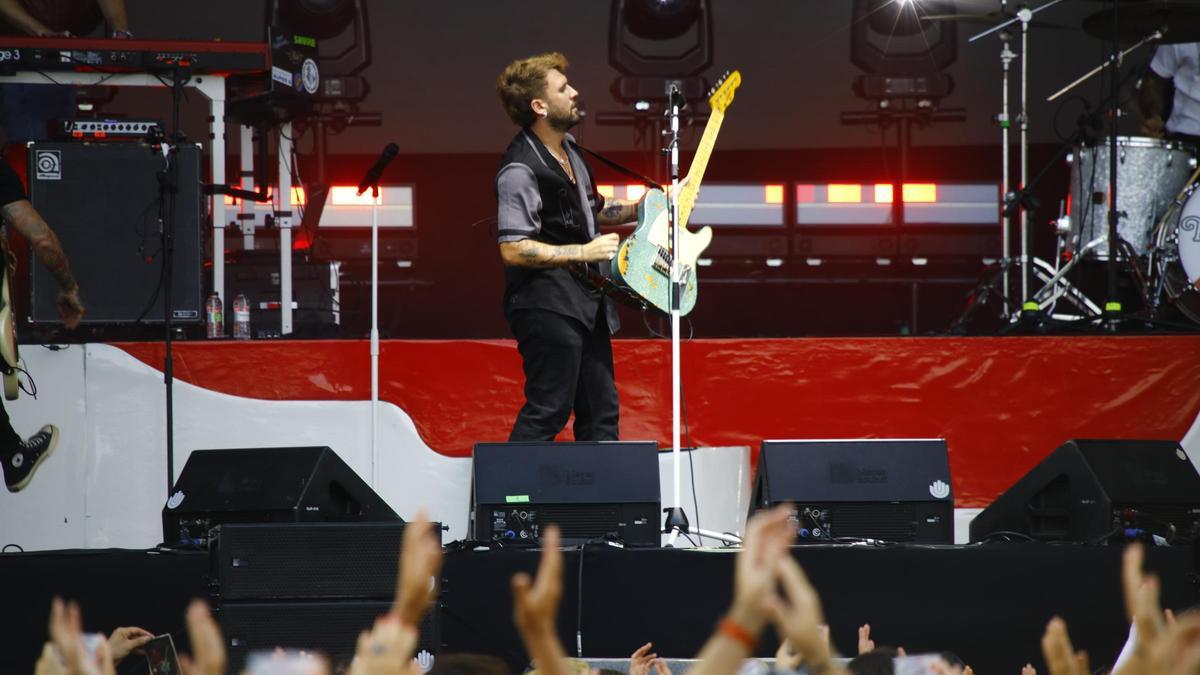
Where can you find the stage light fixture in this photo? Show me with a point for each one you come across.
(321, 19)
(888, 37)
(661, 19)
(660, 38)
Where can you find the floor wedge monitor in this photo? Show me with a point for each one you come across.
(266, 485)
(592, 491)
(1095, 491)
(895, 490)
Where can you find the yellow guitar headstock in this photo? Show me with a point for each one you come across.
(722, 92)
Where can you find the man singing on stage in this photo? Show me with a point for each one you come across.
(549, 218)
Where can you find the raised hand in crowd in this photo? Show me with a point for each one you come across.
(1028, 669)
(417, 576)
(208, 647)
(1061, 657)
(755, 575)
(76, 653)
(535, 607)
(865, 643)
(798, 617)
(127, 639)
(386, 649)
(787, 658)
(645, 662)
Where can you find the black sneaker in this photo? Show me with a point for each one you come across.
(19, 466)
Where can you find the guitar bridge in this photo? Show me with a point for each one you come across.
(662, 265)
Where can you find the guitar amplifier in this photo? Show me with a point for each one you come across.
(102, 199)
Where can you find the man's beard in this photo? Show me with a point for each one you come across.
(564, 122)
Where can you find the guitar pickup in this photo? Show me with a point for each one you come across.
(662, 265)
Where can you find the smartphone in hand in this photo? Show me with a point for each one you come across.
(161, 656)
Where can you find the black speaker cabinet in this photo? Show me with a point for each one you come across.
(887, 489)
(1093, 490)
(290, 561)
(590, 490)
(102, 199)
(266, 485)
(329, 627)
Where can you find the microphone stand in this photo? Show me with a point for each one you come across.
(676, 520)
(371, 180)
(168, 183)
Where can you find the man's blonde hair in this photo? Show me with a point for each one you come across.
(524, 80)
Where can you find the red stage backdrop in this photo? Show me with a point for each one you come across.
(1002, 404)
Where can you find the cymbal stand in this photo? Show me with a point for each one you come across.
(1013, 198)
(1006, 58)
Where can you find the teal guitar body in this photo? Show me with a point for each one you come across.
(643, 261)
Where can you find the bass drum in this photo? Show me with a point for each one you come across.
(1180, 241)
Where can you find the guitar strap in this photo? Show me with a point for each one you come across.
(622, 170)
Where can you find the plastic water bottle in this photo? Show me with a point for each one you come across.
(214, 318)
(241, 317)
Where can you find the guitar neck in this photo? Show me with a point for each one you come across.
(687, 198)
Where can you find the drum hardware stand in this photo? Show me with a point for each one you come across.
(1024, 16)
(676, 520)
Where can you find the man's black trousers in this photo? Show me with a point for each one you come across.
(567, 367)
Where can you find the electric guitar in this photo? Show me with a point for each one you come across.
(643, 262)
(9, 359)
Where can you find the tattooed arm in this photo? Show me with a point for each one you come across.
(617, 212)
(531, 253)
(22, 216)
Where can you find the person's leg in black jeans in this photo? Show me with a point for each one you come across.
(597, 408)
(551, 347)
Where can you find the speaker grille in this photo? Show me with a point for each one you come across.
(581, 521)
(329, 627)
(887, 521)
(350, 560)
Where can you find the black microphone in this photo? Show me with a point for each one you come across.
(373, 174)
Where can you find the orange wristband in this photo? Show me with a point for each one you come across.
(732, 629)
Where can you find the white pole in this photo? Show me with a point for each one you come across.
(374, 335)
(677, 300)
(284, 223)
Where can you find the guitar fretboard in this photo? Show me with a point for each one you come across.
(687, 198)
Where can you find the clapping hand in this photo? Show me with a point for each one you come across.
(1061, 657)
(865, 643)
(77, 657)
(386, 649)
(208, 646)
(420, 565)
(798, 615)
(535, 606)
(643, 662)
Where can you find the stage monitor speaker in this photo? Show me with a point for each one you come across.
(265, 485)
(1094, 490)
(102, 200)
(328, 627)
(592, 491)
(310, 561)
(895, 490)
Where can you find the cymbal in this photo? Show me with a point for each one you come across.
(993, 19)
(1180, 21)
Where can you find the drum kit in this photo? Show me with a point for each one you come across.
(1155, 238)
